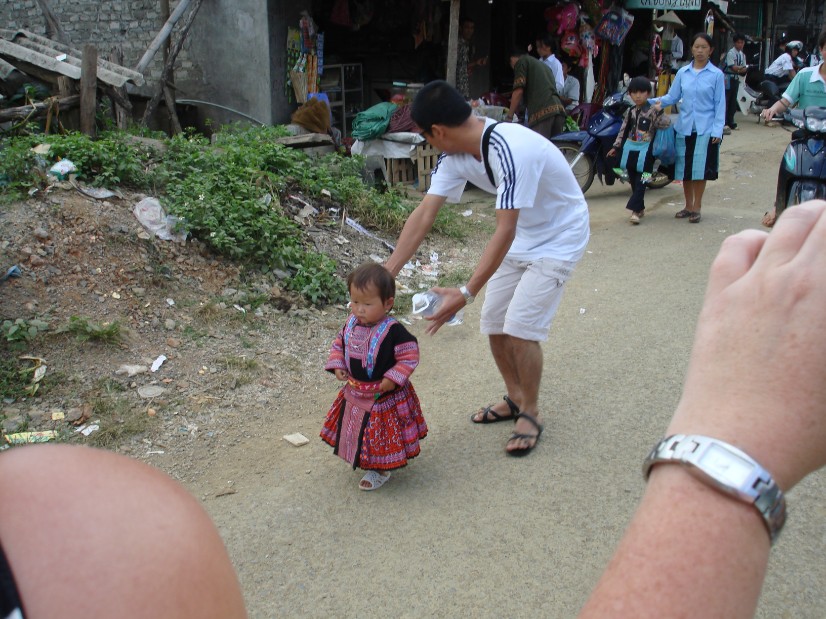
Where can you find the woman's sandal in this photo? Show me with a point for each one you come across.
(683, 214)
(524, 451)
(695, 218)
(491, 416)
(375, 479)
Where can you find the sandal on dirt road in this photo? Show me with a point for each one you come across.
(375, 480)
(491, 416)
(524, 451)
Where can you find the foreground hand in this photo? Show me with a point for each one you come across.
(386, 385)
(452, 302)
(757, 375)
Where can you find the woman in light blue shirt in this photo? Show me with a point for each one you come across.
(700, 88)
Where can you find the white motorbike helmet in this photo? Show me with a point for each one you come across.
(794, 45)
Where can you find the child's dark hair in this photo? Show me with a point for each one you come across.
(738, 36)
(372, 274)
(639, 84)
(439, 103)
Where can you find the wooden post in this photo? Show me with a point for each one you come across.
(173, 54)
(122, 113)
(452, 43)
(88, 89)
(53, 29)
(162, 36)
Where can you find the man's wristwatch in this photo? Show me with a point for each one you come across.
(726, 468)
(469, 298)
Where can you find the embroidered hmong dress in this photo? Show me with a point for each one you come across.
(367, 429)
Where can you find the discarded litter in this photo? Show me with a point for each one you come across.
(296, 439)
(21, 438)
(62, 169)
(38, 372)
(467, 213)
(86, 430)
(151, 215)
(131, 370)
(150, 391)
(12, 272)
(361, 229)
(170, 302)
(157, 363)
(581, 310)
(58, 415)
(98, 193)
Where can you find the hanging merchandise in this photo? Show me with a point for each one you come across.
(614, 26)
(710, 23)
(562, 17)
(590, 49)
(303, 59)
(570, 44)
(657, 53)
(341, 14)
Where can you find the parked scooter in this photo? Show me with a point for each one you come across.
(802, 174)
(586, 151)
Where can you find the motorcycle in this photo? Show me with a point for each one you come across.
(586, 151)
(802, 173)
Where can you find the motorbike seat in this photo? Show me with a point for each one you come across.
(770, 88)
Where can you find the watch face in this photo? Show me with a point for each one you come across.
(727, 467)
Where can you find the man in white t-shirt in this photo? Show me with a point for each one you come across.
(541, 232)
(782, 70)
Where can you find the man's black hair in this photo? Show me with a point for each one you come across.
(439, 103)
(639, 84)
(549, 41)
(738, 37)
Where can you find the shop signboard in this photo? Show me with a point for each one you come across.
(664, 5)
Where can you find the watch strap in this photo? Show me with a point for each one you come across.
(469, 298)
(711, 461)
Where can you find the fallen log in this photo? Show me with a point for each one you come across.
(38, 109)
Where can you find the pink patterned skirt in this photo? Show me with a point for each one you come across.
(375, 433)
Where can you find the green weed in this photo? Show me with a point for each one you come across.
(85, 330)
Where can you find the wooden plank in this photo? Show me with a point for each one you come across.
(38, 109)
(452, 43)
(162, 36)
(89, 90)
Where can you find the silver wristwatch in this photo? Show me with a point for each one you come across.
(726, 468)
(469, 298)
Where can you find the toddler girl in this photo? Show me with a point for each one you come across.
(375, 422)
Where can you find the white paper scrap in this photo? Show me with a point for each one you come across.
(296, 439)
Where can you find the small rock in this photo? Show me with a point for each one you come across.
(173, 342)
(169, 324)
(36, 261)
(151, 412)
(138, 292)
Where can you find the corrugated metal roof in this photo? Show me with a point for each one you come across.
(28, 47)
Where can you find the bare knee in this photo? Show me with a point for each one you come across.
(90, 533)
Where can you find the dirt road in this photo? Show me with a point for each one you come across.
(466, 531)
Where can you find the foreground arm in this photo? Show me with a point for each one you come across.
(690, 548)
(415, 229)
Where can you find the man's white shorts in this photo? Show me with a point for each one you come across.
(521, 298)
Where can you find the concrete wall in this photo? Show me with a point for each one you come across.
(234, 55)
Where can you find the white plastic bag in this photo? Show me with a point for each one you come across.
(152, 217)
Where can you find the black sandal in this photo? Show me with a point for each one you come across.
(683, 214)
(491, 416)
(518, 453)
(695, 217)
